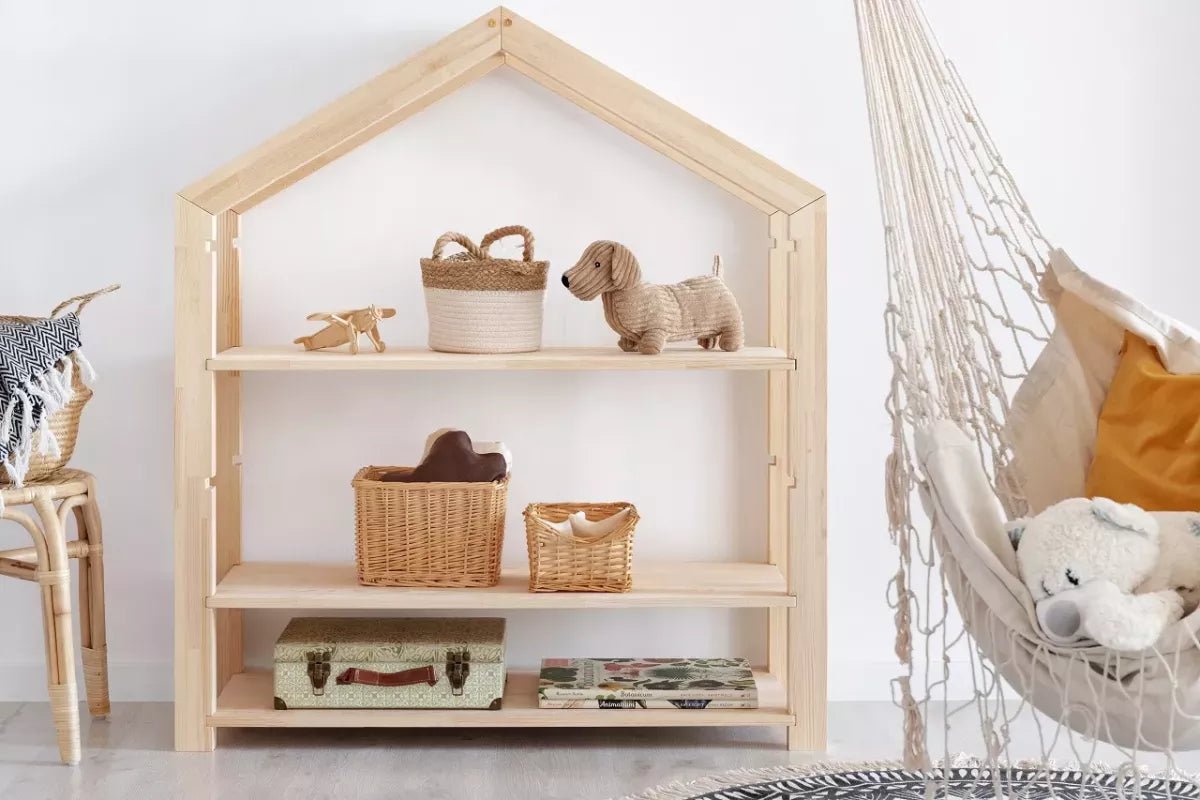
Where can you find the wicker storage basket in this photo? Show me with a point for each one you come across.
(427, 534)
(64, 423)
(561, 562)
(480, 304)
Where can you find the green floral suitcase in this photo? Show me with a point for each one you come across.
(337, 662)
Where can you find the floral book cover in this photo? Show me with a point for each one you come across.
(666, 704)
(651, 679)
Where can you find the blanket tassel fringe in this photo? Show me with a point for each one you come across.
(53, 390)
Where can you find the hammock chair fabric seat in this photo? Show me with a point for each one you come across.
(1149, 700)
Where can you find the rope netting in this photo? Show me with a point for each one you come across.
(964, 323)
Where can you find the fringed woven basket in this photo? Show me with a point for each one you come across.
(427, 534)
(563, 562)
(64, 423)
(480, 304)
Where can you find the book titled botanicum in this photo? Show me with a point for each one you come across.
(647, 683)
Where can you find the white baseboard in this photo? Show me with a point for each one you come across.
(152, 681)
(129, 681)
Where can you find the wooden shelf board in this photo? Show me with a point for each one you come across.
(247, 702)
(272, 584)
(290, 357)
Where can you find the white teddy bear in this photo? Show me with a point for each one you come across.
(1108, 572)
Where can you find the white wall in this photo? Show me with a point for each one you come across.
(106, 111)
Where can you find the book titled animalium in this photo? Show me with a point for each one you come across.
(647, 679)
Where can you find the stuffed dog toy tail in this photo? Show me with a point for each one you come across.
(645, 315)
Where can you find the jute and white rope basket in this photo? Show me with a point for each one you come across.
(480, 304)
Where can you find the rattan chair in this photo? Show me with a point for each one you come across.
(46, 563)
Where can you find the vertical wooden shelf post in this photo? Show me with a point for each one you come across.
(807, 634)
(779, 465)
(195, 411)
(228, 427)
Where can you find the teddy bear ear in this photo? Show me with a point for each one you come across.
(1124, 515)
(1015, 530)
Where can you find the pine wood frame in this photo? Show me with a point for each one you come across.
(209, 361)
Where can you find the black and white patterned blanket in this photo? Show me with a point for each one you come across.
(35, 381)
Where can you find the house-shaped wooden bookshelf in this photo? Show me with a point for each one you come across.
(213, 585)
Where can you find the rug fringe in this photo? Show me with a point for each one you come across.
(687, 790)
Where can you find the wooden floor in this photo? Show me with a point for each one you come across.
(130, 758)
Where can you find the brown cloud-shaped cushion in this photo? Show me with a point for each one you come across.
(451, 458)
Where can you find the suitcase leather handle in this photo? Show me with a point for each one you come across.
(369, 677)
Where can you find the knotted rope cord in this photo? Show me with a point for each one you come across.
(945, 362)
(964, 319)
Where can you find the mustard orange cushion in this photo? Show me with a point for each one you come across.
(1148, 436)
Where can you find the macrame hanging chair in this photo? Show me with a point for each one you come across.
(1002, 351)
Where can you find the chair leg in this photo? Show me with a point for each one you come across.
(91, 606)
(54, 576)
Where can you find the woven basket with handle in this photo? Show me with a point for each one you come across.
(563, 562)
(480, 304)
(64, 423)
(427, 534)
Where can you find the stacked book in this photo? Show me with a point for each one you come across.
(685, 683)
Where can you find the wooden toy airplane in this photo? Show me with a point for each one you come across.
(346, 326)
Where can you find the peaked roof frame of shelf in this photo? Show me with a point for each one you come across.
(209, 658)
(496, 39)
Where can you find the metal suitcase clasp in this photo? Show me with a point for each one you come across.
(318, 669)
(458, 667)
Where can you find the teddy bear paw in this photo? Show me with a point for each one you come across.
(1174, 604)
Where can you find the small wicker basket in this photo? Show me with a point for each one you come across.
(561, 562)
(64, 423)
(427, 534)
(480, 304)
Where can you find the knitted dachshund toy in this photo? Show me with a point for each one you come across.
(647, 315)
